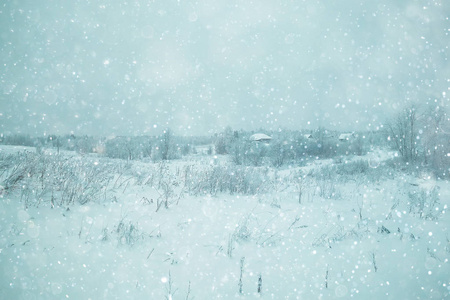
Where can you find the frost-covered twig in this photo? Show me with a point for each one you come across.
(374, 262)
(240, 277)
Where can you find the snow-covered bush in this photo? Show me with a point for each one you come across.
(126, 148)
(352, 168)
(226, 179)
(55, 179)
(128, 233)
(424, 203)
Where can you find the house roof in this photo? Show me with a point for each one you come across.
(260, 137)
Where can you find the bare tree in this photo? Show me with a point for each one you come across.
(167, 145)
(403, 132)
(436, 133)
(220, 144)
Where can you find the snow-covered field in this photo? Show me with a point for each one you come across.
(298, 235)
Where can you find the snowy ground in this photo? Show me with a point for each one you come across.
(363, 242)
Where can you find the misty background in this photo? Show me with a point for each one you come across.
(137, 67)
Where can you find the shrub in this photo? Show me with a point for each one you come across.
(424, 203)
(226, 179)
(53, 178)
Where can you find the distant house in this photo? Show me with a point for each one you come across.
(260, 137)
(308, 136)
(346, 136)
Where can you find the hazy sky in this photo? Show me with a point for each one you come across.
(135, 67)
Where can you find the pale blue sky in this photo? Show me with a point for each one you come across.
(135, 67)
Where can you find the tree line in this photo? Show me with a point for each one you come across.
(420, 135)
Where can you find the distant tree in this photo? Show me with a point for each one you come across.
(167, 147)
(223, 142)
(186, 149)
(129, 148)
(68, 142)
(278, 154)
(435, 139)
(55, 141)
(18, 139)
(146, 147)
(403, 130)
(238, 149)
(358, 144)
(220, 145)
(320, 135)
(86, 144)
(324, 144)
(114, 148)
(255, 153)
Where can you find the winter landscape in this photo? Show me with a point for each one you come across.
(262, 219)
(224, 149)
